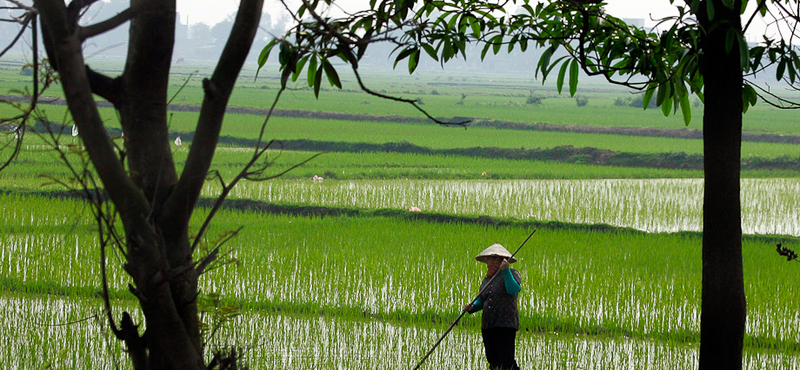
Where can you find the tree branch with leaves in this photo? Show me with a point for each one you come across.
(701, 51)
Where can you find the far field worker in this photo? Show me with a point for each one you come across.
(498, 301)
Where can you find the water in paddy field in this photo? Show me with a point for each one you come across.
(769, 206)
(36, 334)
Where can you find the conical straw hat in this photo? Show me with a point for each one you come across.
(495, 250)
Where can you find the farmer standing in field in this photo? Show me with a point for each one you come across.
(498, 301)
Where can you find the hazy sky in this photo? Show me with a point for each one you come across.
(213, 11)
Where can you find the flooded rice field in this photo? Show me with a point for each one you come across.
(574, 281)
(270, 341)
(769, 206)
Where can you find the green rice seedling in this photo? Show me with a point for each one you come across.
(56, 333)
(658, 205)
(50, 331)
(641, 285)
(609, 284)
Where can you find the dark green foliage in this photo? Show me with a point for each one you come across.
(638, 102)
(786, 252)
(622, 102)
(534, 99)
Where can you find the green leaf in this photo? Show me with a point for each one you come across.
(745, 102)
(758, 54)
(403, 55)
(431, 51)
(485, 50)
(686, 109)
(498, 44)
(264, 56)
(781, 69)
(648, 95)
(544, 61)
(285, 55)
(299, 67)
(333, 76)
(573, 77)
(795, 60)
(312, 70)
(511, 43)
(727, 3)
(413, 61)
(752, 94)
(710, 9)
(666, 106)
(318, 82)
(749, 97)
(730, 37)
(461, 44)
(452, 22)
(561, 74)
(285, 74)
(662, 94)
(744, 52)
(476, 27)
(448, 51)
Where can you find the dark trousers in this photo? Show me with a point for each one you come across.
(499, 344)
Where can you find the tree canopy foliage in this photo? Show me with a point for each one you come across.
(576, 35)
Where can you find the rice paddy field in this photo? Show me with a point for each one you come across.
(338, 274)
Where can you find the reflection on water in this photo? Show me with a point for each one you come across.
(272, 341)
(769, 206)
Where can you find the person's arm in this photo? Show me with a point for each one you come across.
(475, 306)
(512, 285)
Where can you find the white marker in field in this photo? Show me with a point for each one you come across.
(74, 130)
(178, 141)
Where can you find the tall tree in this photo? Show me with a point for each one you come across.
(700, 51)
(154, 202)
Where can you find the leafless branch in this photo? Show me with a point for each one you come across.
(761, 5)
(773, 99)
(111, 23)
(27, 19)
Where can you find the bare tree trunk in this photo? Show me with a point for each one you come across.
(154, 204)
(722, 321)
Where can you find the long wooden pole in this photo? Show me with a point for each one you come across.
(463, 312)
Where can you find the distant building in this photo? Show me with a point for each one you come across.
(638, 22)
(181, 29)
